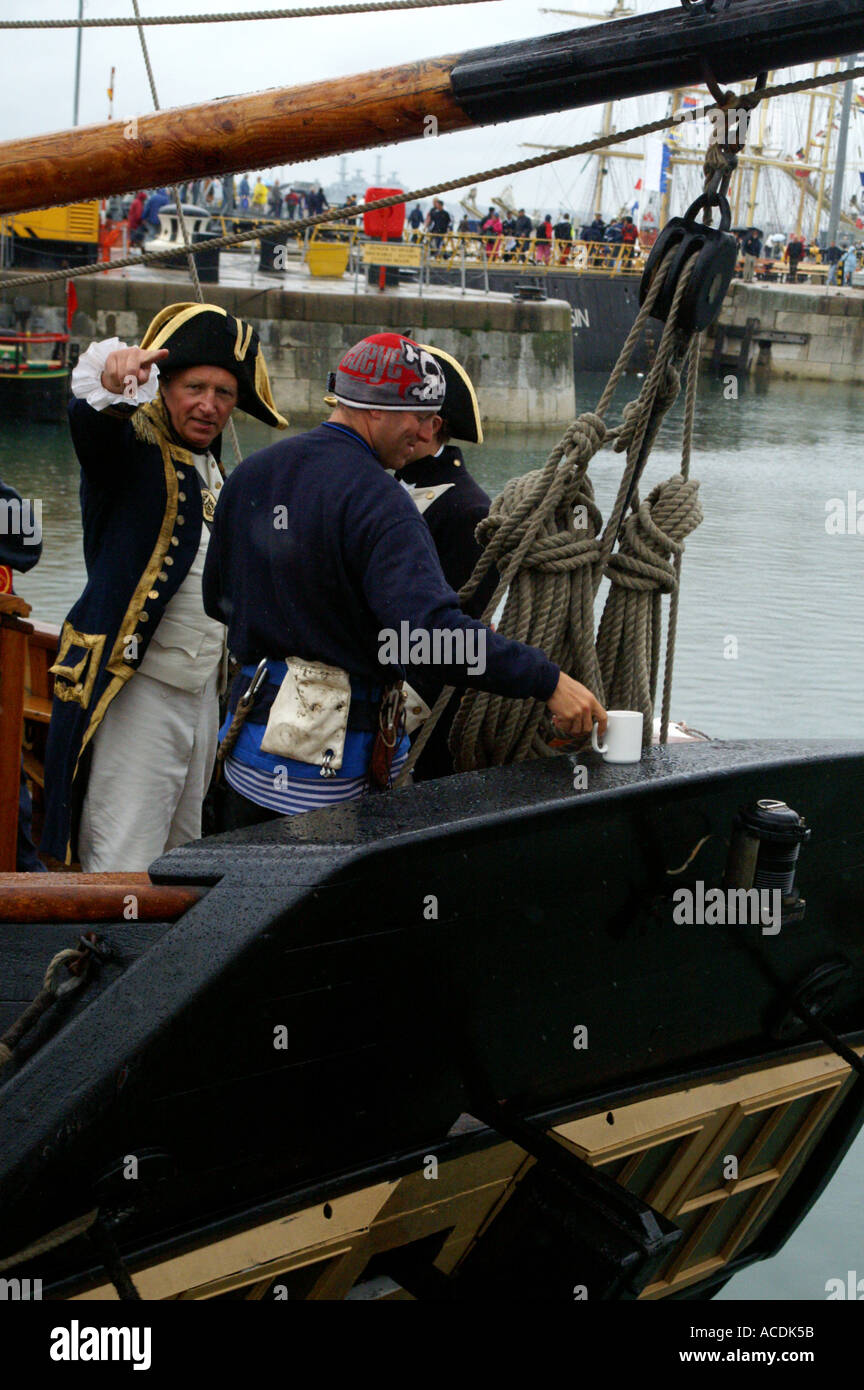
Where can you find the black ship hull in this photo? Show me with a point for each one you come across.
(602, 307)
(32, 252)
(289, 1062)
(40, 398)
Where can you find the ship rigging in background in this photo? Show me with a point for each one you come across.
(785, 179)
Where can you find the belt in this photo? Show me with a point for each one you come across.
(362, 714)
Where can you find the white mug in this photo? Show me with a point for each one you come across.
(623, 737)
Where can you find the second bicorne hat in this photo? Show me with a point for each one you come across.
(461, 410)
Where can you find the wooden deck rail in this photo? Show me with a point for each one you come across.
(92, 898)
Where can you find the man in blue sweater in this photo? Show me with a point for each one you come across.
(319, 555)
(152, 208)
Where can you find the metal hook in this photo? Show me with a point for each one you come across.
(255, 685)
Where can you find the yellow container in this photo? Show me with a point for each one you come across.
(328, 258)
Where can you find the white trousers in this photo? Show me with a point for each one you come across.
(153, 755)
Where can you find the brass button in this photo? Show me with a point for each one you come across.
(219, 484)
(154, 593)
(143, 617)
(162, 579)
(169, 560)
(457, 463)
(174, 540)
(430, 496)
(181, 496)
(180, 474)
(416, 709)
(181, 521)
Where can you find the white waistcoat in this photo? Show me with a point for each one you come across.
(187, 645)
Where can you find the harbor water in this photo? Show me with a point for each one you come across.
(771, 626)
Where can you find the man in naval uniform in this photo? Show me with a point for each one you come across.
(318, 554)
(134, 723)
(452, 504)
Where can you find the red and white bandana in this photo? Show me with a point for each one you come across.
(389, 372)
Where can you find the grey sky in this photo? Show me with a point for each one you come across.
(199, 62)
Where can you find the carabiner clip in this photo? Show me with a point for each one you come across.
(254, 685)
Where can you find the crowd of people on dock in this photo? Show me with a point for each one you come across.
(226, 198)
(514, 236)
(760, 257)
(504, 235)
(327, 565)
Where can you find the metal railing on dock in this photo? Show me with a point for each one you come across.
(449, 249)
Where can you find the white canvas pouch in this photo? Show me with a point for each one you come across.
(416, 709)
(309, 717)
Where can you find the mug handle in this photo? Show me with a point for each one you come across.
(595, 744)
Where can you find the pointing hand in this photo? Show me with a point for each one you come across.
(129, 362)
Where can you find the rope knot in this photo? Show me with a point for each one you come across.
(634, 411)
(583, 438)
(653, 534)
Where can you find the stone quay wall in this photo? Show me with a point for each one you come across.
(519, 355)
(832, 319)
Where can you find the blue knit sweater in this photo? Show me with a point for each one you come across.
(316, 551)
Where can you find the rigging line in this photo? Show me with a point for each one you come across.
(236, 16)
(190, 258)
(464, 181)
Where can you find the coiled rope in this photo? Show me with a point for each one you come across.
(552, 574)
(551, 567)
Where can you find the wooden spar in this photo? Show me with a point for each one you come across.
(260, 131)
(629, 57)
(92, 898)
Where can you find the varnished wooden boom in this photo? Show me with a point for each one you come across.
(262, 130)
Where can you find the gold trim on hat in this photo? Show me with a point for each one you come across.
(173, 316)
(262, 389)
(240, 350)
(466, 380)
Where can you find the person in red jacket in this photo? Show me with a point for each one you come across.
(630, 237)
(136, 211)
(543, 244)
(494, 227)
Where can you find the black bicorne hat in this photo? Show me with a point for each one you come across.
(204, 335)
(461, 411)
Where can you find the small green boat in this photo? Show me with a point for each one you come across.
(34, 376)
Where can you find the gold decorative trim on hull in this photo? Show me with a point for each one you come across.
(671, 1149)
(680, 1154)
